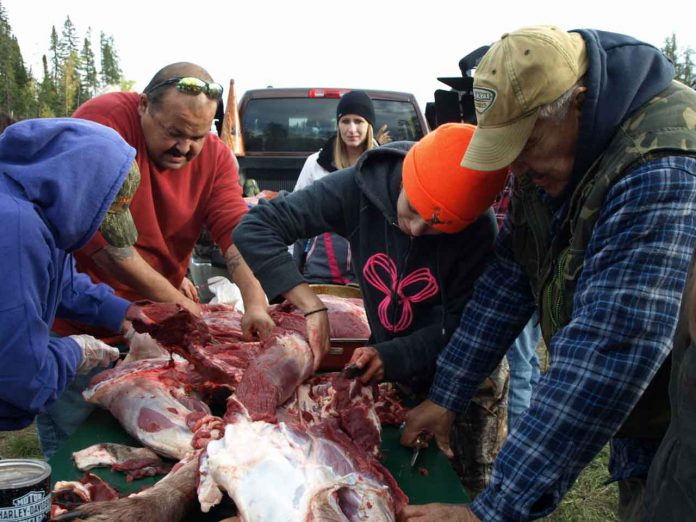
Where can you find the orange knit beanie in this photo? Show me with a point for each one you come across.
(445, 194)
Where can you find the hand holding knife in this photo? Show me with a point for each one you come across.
(416, 450)
(419, 443)
(353, 371)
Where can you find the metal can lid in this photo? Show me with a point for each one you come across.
(18, 473)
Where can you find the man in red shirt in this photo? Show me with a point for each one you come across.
(189, 180)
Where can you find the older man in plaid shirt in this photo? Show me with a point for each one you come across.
(599, 237)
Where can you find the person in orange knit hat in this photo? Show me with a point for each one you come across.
(420, 232)
(448, 203)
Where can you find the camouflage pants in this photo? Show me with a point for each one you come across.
(479, 432)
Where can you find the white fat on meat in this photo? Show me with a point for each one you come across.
(149, 404)
(109, 453)
(277, 472)
(330, 395)
(142, 346)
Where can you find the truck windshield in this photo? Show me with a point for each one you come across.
(304, 124)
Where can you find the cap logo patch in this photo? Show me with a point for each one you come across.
(483, 99)
(435, 220)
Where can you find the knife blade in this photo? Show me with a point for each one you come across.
(414, 457)
(416, 450)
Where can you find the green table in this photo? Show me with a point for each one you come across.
(441, 484)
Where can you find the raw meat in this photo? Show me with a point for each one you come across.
(283, 472)
(135, 462)
(316, 457)
(211, 343)
(347, 317)
(274, 376)
(388, 406)
(108, 454)
(224, 322)
(152, 400)
(173, 325)
(331, 395)
(143, 346)
(68, 494)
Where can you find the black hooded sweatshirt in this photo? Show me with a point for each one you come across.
(414, 289)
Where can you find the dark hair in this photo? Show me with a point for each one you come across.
(170, 71)
(5, 121)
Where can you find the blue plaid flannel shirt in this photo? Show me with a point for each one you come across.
(625, 312)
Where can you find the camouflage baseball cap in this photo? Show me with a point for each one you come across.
(118, 227)
(521, 72)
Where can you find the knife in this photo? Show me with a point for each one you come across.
(414, 457)
(416, 450)
(353, 370)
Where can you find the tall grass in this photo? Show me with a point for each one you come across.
(590, 499)
(20, 444)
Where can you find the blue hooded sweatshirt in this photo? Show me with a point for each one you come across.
(58, 177)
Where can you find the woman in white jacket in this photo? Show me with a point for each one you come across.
(326, 258)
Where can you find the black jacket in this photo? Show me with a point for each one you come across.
(434, 273)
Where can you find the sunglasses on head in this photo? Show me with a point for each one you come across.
(191, 85)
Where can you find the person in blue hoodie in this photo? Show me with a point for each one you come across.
(599, 238)
(60, 181)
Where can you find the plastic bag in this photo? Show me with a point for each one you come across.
(225, 292)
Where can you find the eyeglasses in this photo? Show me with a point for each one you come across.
(191, 85)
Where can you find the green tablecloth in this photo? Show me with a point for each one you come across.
(440, 485)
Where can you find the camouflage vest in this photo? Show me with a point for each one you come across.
(663, 126)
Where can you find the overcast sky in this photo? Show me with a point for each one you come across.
(378, 44)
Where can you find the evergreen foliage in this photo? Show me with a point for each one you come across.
(69, 76)
(682, 60)
(110, 71)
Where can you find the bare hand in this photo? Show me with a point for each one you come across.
(383, 135)
(429, 418)
(189, 290)
(256, 321)
(319, 336)
(438, 513)
(368, 357)
(191, 306)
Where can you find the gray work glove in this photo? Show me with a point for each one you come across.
(94, 353)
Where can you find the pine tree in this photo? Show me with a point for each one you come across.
(68, 77)
(24, 104)
(681, 58)
(7, 85)
(110, 72)
(55, 54)
(15, 81)
(68, 40)
(46, 93)
(89, 80)
(71, 84)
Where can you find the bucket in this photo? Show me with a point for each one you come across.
(25, 490)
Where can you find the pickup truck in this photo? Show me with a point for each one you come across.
(273, 130)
